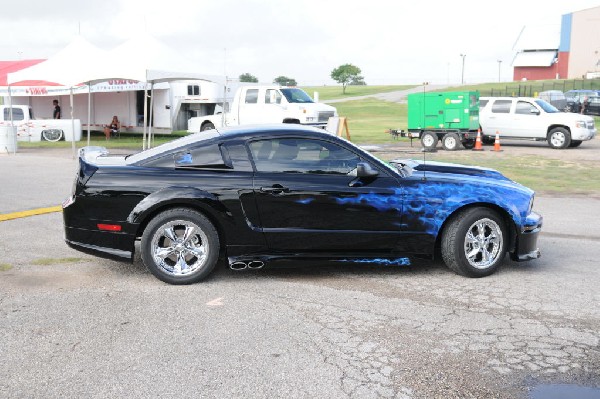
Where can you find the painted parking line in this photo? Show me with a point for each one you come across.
(32, 212)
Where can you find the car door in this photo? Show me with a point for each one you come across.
(528, 121)
(497, 118)
(309, 198)
(250, 106)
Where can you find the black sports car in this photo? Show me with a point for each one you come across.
(269, 195)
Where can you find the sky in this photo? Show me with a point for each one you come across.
(391, 41)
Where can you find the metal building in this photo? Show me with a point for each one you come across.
(570, 50)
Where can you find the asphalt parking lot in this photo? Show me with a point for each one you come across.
(78, 326)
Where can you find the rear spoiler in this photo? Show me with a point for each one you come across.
(97, 155)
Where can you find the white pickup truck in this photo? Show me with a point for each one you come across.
(532, 119)
(30, 129)
(267, 104)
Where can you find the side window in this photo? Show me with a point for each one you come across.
(251, 96)
(207, 156)
(483, 103)
(193, 90)
(17, 114)
(302, 156)
(237, 155)
(525, 108)
(272, 97)
(501, 106)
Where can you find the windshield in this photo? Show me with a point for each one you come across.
(546, 107)
(296, 96)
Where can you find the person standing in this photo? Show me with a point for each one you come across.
(56, 113)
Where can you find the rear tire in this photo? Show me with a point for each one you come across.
(52, 134)
(559, 138)
(429, 140)
(451, 142)
(180, 246)
(575, 143)
(474, 242)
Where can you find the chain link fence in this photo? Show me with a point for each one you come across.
(523, 89)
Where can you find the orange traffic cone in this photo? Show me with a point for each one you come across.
(497, 142)
(478, 146)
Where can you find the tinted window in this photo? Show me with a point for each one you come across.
(302, 156)
(296, 96)
(525, 108)
(193, 90)
(205, 156)
(252, 96)
(17, 114)
(501, 106)
(483, 103)
(238, 157)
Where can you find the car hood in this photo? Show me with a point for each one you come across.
(447, 172)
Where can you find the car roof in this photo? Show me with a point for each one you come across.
(247, 131)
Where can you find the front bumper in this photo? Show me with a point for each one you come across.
(583, 134)
(526, 239)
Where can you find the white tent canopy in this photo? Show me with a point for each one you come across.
(142, 58)
(79, 62)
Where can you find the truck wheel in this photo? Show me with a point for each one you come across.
(474, 242)
(487, 140)
(559, 138)
(469, 144)
(568, 108)
(207, 126)
(52, 134)
(180, 246)
(429, 140)
(450, 142)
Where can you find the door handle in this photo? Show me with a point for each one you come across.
(275, 189)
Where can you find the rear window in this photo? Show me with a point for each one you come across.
(173, 145)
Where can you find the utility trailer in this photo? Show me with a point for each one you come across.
(449, 117)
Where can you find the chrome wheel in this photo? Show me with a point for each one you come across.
(180, 247)
(52, 134)
(483, 243)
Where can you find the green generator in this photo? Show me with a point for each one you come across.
(449, 117)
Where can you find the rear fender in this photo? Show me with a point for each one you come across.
(176, 196)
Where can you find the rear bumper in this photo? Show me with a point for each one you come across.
(105, 244)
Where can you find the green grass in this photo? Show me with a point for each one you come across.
(127, 140)
(55, 261)
(369, 119)
(544, 175)
(4, 267)
(335, 92)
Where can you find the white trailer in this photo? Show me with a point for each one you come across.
(173, 103)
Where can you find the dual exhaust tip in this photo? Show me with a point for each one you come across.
(240, 265)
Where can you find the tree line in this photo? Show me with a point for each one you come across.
(346, 74)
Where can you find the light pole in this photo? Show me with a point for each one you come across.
(462, 79)
(499, 62)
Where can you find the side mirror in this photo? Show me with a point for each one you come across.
(535, 111)
(363, 169)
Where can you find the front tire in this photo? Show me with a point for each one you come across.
(180, 246)
(474, 242)
(429, 140)
(559, 138)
